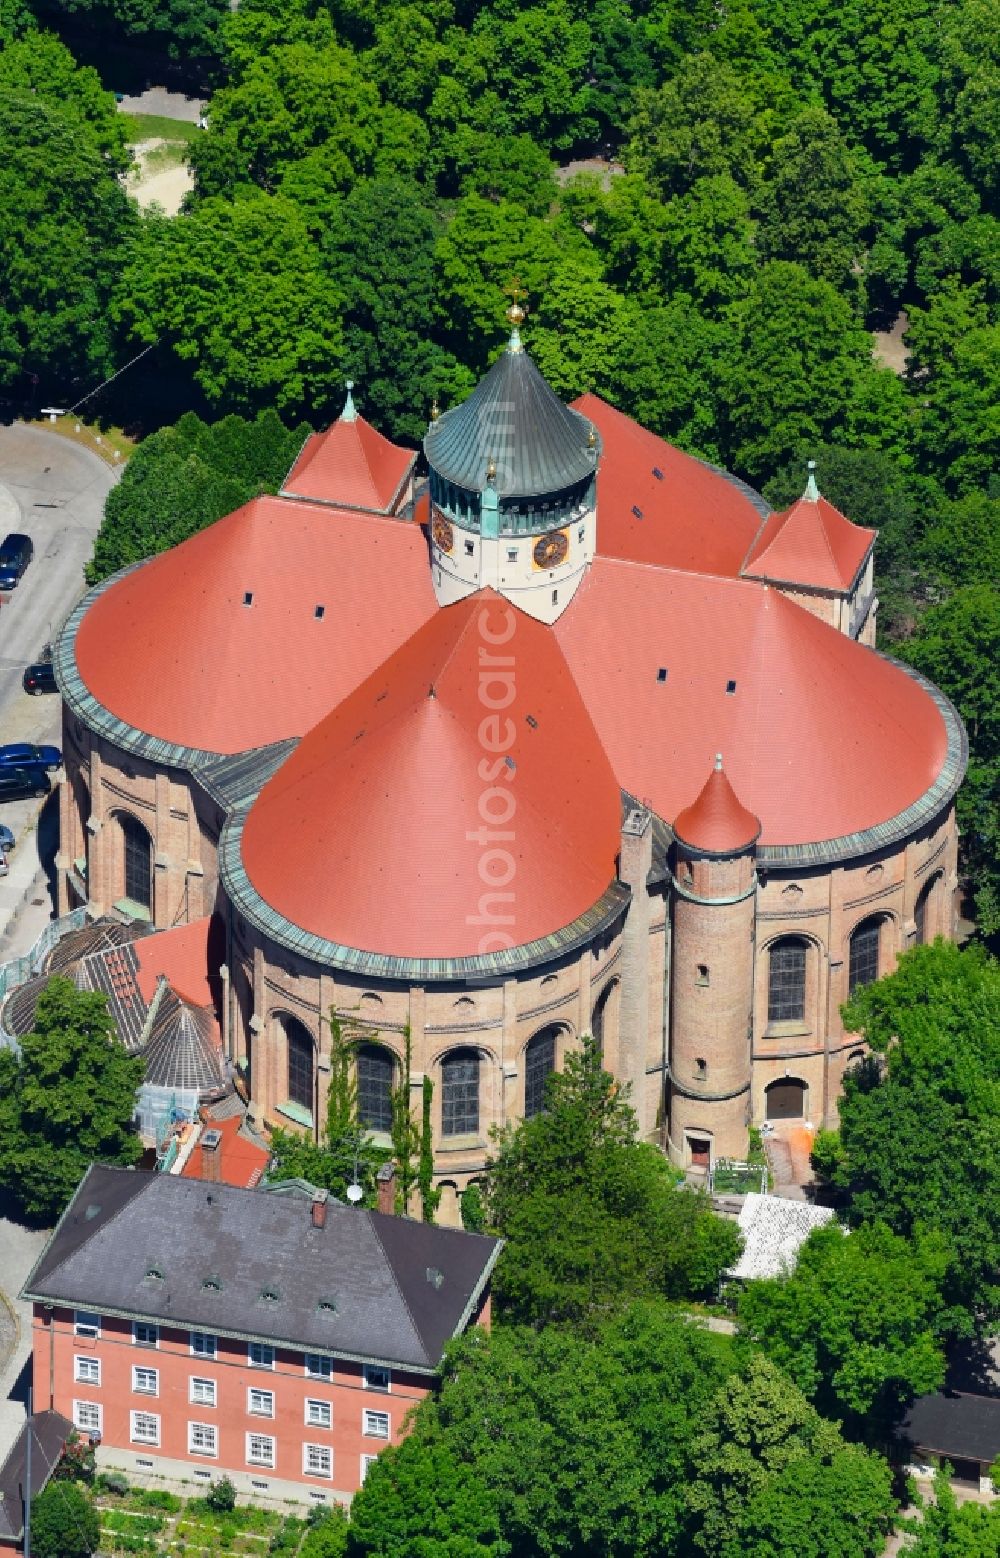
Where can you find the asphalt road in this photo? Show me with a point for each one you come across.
(54, 491)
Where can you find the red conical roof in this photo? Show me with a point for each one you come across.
(464, 769)
(717, 823)
(810, 543)
(352, 466)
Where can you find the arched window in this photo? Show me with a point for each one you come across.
(921, 914)
(786, 981)
(864, 949)
(599, 1015)
(460, 1093)
(376, 1073)
(301, 1062)
(137, 848)
(539, 1060)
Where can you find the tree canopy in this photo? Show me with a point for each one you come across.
(67, 1099)
(593, 1218)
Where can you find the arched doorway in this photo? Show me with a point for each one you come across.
(376, 1074)
(539, 1062)
(137, 863)
(785, 1099)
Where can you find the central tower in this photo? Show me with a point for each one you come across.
(513, 489)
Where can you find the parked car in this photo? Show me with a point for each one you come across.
(23, 755)
(16, 783)
(16, 552)
(40, 677)
(6, 839)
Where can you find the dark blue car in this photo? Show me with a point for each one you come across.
(16, 552)
(22, 754)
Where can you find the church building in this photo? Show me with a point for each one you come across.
(559, 731)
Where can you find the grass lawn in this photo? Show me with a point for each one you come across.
(148, 127)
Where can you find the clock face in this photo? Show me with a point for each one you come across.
(442, 532)
(551, 550)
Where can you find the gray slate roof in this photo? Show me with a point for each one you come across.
(375, 1269)
(514, 418)
(951, 1423)
(49, 1432)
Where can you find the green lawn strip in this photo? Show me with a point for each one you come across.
(147, 127)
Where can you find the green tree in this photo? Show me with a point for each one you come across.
(578, 330)
(473, 1208)
(326, 1534)
(43, 66)
(66, 1100)
(185, 477)
(430, 1196)
(668, 375)
(64, 1522)
(812, 206)
(405, 1132)
(709, 246)
(947, 1529)
(771, 1479)
(66, 223)
(593, 1218)
(954, 373)
(919, 1129)
(702, 122)
(957, 644)
(855, 1325)
(239, 291)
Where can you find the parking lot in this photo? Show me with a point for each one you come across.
(54, 491)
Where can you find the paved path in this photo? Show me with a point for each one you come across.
(171, 105)
(19, 1249)
(54, 490)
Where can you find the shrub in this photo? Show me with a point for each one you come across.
(221, 1496)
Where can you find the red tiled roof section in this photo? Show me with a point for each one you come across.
(187, 955)
(810, 543)
(241, 1161)
(717, 822)
(466, 766)
(689, 516)
(821, 736)
(352, 466)
(173, 649)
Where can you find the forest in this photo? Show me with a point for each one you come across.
(716, 213)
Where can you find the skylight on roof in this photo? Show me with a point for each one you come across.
(636, 510)
(657, 473)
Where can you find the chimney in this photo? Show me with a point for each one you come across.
(386, 1181)
(211, 1155)
(320, 1198)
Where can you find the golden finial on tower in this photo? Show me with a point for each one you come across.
(435, 409)
(515, 313)
(491, 469)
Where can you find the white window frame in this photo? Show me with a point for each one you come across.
(368, 1417)
(135, 1437)
(325, 1369)
(263, 1439)
(144, 1390)
(202, 1344)
(377, 1368)
(266, 1410)
(199, 1400)
(367, 1462)
(84, 1362)
(318, 1413)
(79, 1408)
(325, 1452)
(266, 1358)
(86, 1323)
(210, 1431)
(144, 1341)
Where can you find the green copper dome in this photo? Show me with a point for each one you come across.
(514, 422)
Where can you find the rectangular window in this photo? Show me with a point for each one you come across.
(367, 1462)
(317, 1367)
(375, 1424)
(260, 1450)
(319, 1414)
(87, 1416)
(202, 1345)
(203, 1439)
(202, 1391)
(146, 1381)
(86, 1324)
(260, 1403)
(377, 1377)
(260, 1355)
(317, 1460)
(145, 1428)
(87, 1371)
(144, 1335)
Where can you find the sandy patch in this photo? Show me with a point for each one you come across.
(153, 184)
(888, 344)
